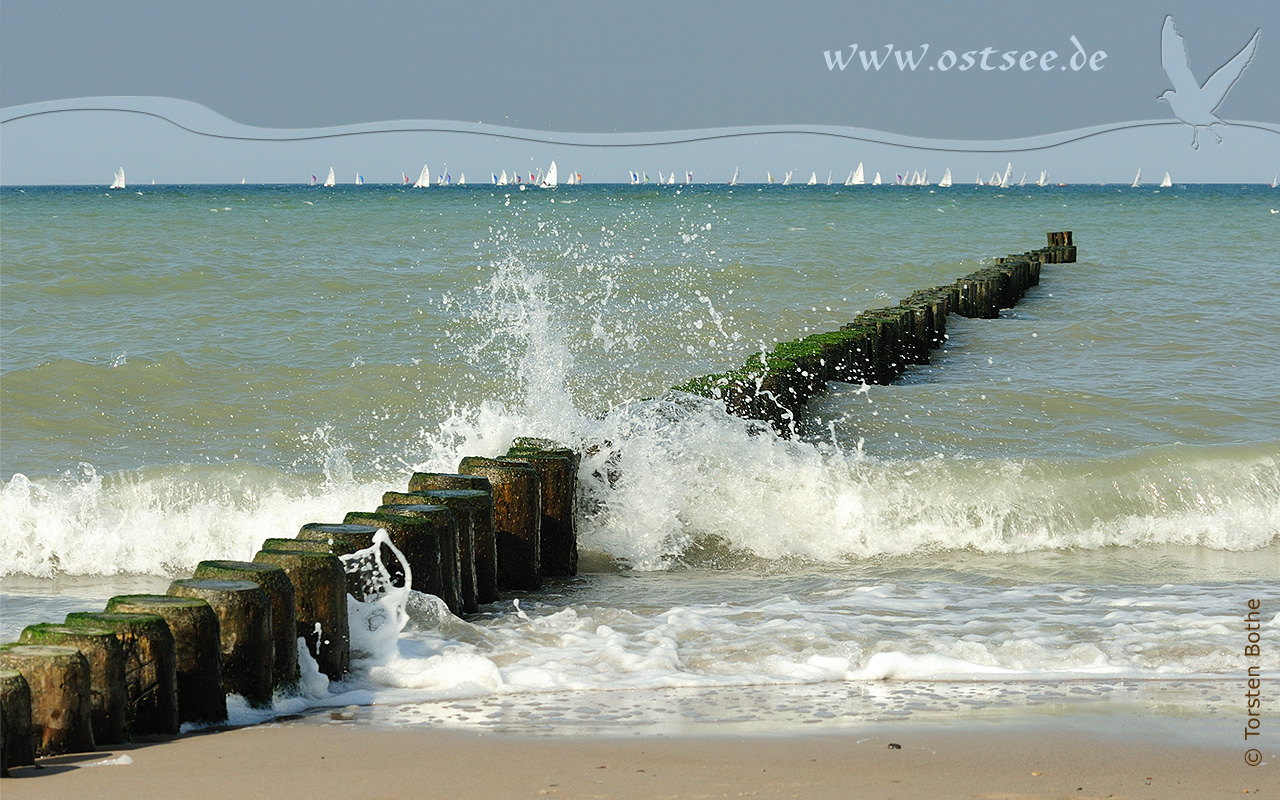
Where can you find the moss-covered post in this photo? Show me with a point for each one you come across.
(196, 650)
(244, 627)
(474, 509)
(107, 698)
(150, 668)
(457, 548)
(17, 747)
(284, 620)
(557, 469)
(342, 539)
(430, 481)
(320, 604)
(427, 536)
(517, 505)
(58, 677)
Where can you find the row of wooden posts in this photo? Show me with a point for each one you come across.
(146, 664)
(879, 345)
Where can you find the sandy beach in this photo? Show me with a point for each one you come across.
(1114, 756)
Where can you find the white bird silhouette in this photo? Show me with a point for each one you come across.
(1192, 103)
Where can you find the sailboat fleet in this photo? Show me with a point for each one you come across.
(551, 178)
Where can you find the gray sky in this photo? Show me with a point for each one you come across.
(591, 67)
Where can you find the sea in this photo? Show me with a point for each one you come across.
(1073, 509)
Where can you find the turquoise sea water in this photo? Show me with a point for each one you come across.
(1085, 489)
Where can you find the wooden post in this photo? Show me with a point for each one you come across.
(58, 678)
(342, 539)
(428, 481)
(428, 541)
(558, 478)
(17, 747)
(99, 646)
(284, 620)
(320, 605)
(196, 650)
(150, 668)
(244, 627)
(461, 550)
(517, 505)
(473, 508)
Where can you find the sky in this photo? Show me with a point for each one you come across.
(595, 69)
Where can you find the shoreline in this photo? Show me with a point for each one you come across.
(1117, 755)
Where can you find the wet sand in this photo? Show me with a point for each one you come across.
(1110, 756)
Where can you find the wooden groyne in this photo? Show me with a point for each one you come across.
(878, 345)
(148, 663)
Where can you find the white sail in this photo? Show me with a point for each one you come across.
(734, 180)
(828, 178)
(502, 179)
(857, 175)
(876, 182)
(946, 178)
(786, 180)
(980, 182)
(1137, 179)
(671, 179)
(849, 180)
(1023, 181)
(359, 179)
(462, 179)
(1166, 182)
(330, 181)
(1273, 180)
(768, 176)
(552, 177)
(634, 178)
(118, 181)
(813, 179)
(915, 179)
(424, 178)
(1044, 178)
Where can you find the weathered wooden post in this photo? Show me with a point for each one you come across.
(430, 481)
(150, 668)
(244, 627)
(473, 509)
(284, 620)
(342, 539)
(517, 505)
(58, 678)
(457, 547)
(320, 604)
(17, 747)
(428, 539)
(557, 469)
(99, 646)
(196, 650)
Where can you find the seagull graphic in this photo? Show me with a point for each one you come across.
(1192, 103)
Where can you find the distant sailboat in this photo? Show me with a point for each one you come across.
(1023, 180)
(813, 179)
(876, 182)
(424, 178)
(644, 176)
(634, 178)
(688, 178)
(995, 179)
(786, 180)
(828, 178)
(1137, 179)
(768, 177)
(1044, 178)
(671, 179)
(1273, 180)
(857, 175)
(153, 183)
(849, 180)
(1004, 179)
(404, 178)
(462, 179)
(552, 178)
(118, 181)
(734, 180)
(359, 179)
(313, 180)
(330, 181)
(980, 183)
(946, 179)
(1166, 182)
